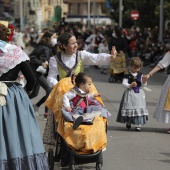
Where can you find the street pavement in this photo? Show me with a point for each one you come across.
(128, 149)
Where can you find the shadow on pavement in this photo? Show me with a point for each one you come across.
(144, 129)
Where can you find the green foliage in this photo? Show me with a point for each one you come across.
(149, 11)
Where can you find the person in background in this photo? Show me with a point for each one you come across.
(21, 145)
(104, 48)
(39, 59)
(132, 108)
(162, 110)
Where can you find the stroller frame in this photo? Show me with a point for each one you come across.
(64, 154)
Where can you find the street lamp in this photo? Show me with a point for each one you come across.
(161, 20)
(21, 15)
(120, 12)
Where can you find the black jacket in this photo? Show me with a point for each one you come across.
(39, 55)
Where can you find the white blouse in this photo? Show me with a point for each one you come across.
(127, 85)
(70, 60)
(70, 95)
(165, 61)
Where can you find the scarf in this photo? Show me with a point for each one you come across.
(10, 56)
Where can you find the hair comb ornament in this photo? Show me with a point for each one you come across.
(11, 32)
(4, 23)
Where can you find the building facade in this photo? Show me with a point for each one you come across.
(83, 11)
(26, 13)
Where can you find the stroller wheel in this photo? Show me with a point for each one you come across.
(72, 167)
(98, 166)
(50, 159)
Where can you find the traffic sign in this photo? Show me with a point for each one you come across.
(134, 15)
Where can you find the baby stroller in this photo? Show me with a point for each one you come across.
(66, 145)
(117, 68)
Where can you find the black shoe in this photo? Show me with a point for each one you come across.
(128, 126)
(138, 129)
(77, 123)
(88, 123)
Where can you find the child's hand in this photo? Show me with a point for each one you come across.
(97, 95)
(144, 79)
(68, 109)
(133, 84)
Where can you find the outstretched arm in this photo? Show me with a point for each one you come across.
(154, 70)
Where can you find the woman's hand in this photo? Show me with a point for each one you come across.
(45, 64)
(20, 77)
(148, 76)
(113, 52)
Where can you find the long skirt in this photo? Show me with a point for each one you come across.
(21, 146)
(133, 108)
(162, 114)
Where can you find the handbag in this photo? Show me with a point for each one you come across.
(41, 70)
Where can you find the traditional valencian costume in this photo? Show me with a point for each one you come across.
(64, 66)
(162, 111)
(21, 146)
(82, 104)
(133, 104)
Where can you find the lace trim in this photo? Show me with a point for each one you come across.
(33, 162)
(134, 112)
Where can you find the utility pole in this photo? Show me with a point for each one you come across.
(94, 14)
(161, 20)
(120, 12)
(21, 16)
(88, 18)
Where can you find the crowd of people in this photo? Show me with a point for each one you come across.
(59, 53)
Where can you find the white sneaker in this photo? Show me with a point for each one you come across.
(36, 109)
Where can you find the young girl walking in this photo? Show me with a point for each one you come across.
(81, 106)
(132, 108)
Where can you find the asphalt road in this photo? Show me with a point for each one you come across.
(128, 149)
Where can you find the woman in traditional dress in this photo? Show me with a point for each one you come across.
(21, 144)
(68, 61)
(162, 111)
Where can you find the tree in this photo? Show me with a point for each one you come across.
(149, 11)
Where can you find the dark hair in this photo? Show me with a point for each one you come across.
(136, 62)
(46, 38)
(118, 32)
(4, 32)
(81, 78)
(63, 40)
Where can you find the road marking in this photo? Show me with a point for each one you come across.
(147, 89)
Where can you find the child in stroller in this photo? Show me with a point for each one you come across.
(118, 68)
(86, 141)
(80, 106)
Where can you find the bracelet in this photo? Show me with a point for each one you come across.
(150, 75)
